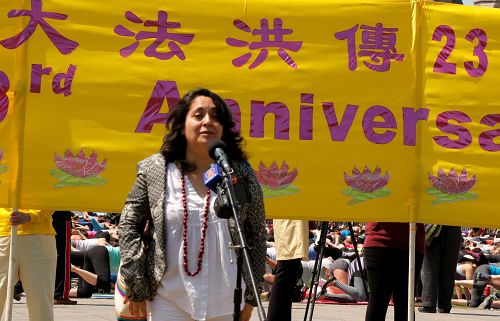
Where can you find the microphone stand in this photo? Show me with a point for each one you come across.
(226, 192)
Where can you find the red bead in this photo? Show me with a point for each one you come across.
(203, 229)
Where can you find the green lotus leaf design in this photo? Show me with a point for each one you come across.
(70, 180)
(358, 196)
(271, 192)
(447, 198)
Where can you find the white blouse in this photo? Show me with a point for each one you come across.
(209, 294)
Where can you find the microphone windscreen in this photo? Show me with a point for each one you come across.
(213, 145)
(212, 177)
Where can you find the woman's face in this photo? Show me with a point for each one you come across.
(201, 124)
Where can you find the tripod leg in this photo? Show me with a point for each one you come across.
(356, 253)
(315, 275)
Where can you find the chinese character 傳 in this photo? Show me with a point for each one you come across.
(378, 43)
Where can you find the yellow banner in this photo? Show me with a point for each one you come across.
(369, 111)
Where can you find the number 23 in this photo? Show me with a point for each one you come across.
(443, 66)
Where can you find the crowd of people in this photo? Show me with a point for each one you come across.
(382, 275)
(95, 258)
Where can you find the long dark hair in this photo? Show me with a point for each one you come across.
(174, 143)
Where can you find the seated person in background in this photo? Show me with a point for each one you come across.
(466, 267)
(486, 274)
(348, 243)
(101, 238)
(355, 290)
(341, 269)
(307, 272)
(97, 268)
(330, 249)
(75, 219)
(100, 222)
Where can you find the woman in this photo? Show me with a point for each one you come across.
(386, 258)
(190, 272)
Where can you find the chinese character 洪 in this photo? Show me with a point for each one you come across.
(161, 35)
(378, 43)
(36, 18)
(266, 42)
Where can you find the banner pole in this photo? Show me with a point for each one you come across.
(411, 272)
(12, 274)
(417, 51)
(17, 135)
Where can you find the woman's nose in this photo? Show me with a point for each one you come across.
(208, 119)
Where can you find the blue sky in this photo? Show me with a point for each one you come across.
(468, 2)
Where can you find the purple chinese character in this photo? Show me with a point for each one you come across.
(36, 15)
(378, 43)
(160, 36)
(265, 34)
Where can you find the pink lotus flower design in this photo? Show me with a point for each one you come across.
(452, 183)
(451, 186)
(276, 181)
(76, 170)
(366, 182)
(366, 185)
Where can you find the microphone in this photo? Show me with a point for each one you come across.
(213, 177)
(216, 151)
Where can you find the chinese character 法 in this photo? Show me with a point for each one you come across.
(161, 35)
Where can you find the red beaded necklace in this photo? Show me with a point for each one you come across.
(203, 228)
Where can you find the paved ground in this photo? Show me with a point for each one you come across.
(103, 309)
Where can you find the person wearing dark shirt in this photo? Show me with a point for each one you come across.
(386, 256)
(442, 246)
(61, 222)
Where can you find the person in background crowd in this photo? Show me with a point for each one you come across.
(305, 280)
(466, 266)
(35, 259)
(191, 271)
(97, 269)
(355, 290)
(442, 245)
(61, 222)
(486, 274)
(386, 257)
(291, 238)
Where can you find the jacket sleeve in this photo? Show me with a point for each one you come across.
(133, 258)
(37, 216)
(255, 233)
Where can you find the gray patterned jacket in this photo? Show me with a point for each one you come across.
(142, 273)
